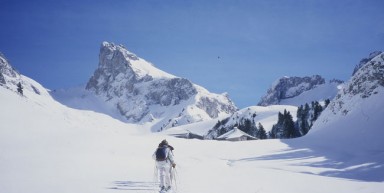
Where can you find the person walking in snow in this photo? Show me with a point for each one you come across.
(164, 164)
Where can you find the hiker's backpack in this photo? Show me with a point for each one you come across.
(161, 153)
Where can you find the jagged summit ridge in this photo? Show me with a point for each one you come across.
(366, 81)
(116, 64)
(366, 60)
(143, 93)
(289, 87)
(6, 70)
(10, 78)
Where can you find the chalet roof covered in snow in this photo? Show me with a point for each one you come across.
(236, 135)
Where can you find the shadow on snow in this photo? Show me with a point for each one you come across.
(132, 185)
(367, 167)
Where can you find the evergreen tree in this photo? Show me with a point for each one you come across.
(327, 101)
(221, 131)
(277, 128)
(20, 88)
(299, 111)
(317, 109)
(302, 120)
(261, 134)
(308, 116)
(271, 134)
(306, 108)
(288, 125)
(285, 127)
(217, 125)
(254, 131)
(248, 126)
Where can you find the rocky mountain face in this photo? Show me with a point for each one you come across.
(366, 60)
(289, 87)
(356, 113)
(368, 79)
(7, 73)
(10, 78)
(142, 93)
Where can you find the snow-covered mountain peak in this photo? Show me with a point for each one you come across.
(6, 69)
(121, 48)
(367, 80)
(142, 93)
(117, 57)
(11, 79)
(365, 60)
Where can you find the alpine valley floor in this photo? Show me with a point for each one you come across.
(49, 148)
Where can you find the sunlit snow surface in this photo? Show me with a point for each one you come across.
(49, 148)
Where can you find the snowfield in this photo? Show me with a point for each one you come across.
(47, 147)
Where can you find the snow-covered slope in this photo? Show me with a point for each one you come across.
(348, 135)
(46, 147)
(141, 93)
(300, 90)
(356, 114)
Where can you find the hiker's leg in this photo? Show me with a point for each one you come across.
(163, 174)
(167, 176)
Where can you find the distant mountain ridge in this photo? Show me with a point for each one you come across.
(286, 88)
(368, 80)
(142, 93)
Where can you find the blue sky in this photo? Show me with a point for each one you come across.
(239, 47)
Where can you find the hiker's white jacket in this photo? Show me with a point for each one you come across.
(164, 168)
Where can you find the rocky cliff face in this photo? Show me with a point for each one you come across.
(10, 78)
(289, 87)
(365, 61)
(356, 113)
(142, 93)
(7, 72)
(367, 80)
